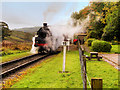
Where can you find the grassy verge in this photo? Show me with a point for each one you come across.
(14, 56)
(102, 69)
(9, 52)
(46, 74)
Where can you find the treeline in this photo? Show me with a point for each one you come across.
(104, 20)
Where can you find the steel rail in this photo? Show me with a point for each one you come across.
(20, 66)
(16, 60)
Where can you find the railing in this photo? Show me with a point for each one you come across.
(83, 65)
(96, 83)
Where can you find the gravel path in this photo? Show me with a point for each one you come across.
(113, 59)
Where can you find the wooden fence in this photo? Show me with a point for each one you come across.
(96, 83)
(83, 65)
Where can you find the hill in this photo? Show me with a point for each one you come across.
(20, 36)
(30, 29)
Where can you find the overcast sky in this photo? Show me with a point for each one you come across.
(30, 14)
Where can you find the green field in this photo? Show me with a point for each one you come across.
(14, 56)
(46, 75)
(19, 36)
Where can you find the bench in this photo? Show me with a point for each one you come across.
(93, 55)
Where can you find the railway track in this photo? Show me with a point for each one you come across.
(15, 65)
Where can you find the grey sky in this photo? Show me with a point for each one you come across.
(29, 14)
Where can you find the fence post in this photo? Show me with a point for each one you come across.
(84, 73)
(96, 84)
(83, 65)
(64, 55)
(84, 60)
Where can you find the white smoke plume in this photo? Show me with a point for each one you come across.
(59, 31)
(52, 10)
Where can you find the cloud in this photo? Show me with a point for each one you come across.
(15, 19)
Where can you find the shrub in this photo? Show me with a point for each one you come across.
(101, 46)
(89, 41)
(9, 52)
(92, 34)
(114, 42)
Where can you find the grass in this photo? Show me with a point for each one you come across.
(9, 52)
(15, 38)
(19, 36)
(101, 69)
(14, 56)
(46, 74)
(115, 49)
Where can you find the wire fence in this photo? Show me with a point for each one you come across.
(83, 65)
(95, 83)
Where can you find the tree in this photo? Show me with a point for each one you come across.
(112, 29)
(104, 20)
(5, 32)
(97, 27)
(82, 14)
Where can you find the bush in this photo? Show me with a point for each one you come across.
(89, 41)
(9, 52)
(101, 46)
(92, 34)
(114, 42)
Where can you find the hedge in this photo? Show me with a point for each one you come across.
(89, 41)
(101, 46)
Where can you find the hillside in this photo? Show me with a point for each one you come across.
(30, 29)
(20, 36)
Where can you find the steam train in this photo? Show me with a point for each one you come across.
(43, 39)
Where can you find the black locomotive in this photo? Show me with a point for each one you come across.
(44, 39)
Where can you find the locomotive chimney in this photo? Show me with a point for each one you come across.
(45, 24)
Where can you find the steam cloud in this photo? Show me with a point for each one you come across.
(58, 32)
(52, 10)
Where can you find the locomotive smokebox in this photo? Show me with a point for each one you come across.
(45, 24)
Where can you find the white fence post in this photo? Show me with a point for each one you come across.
(64, 55)
(64, 58)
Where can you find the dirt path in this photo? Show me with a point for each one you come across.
(113, 59)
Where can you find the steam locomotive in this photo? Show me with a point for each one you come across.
(43, 39)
